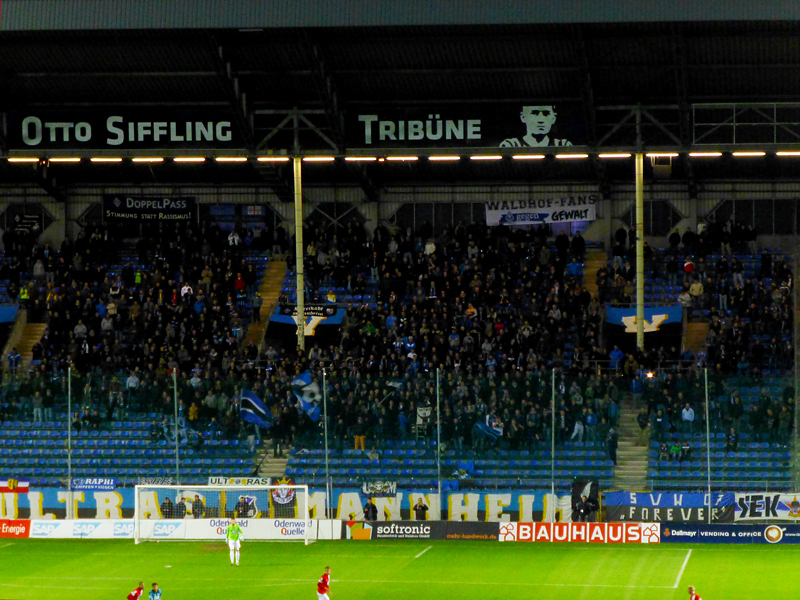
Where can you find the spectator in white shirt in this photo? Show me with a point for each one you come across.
(80, 330)
(687, 418)
(133, 381)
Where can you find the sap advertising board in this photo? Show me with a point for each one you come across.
(205, 529)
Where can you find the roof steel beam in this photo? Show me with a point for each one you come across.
(236, 98)
(40, 175)
(331, 104)
(684, 107)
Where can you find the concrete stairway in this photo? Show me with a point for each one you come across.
(30, 334)
(630, 473)
(695, 337)
(270, 290)
(271, 467)
(594, 260)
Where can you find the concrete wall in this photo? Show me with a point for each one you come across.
(609, 211)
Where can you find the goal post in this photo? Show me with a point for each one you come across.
(202, 512)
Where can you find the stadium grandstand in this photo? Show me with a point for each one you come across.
(523, 250)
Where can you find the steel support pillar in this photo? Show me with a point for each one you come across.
(640, 250)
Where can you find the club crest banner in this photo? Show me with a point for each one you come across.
(322, 324)
(663, 326)
(379, 489)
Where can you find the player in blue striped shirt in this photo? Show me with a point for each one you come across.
(155, 593)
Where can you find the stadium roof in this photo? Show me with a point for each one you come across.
(218, 14)
(611, 73)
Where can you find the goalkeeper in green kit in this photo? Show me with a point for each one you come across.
(234, 535)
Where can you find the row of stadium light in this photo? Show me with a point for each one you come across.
(432, 158)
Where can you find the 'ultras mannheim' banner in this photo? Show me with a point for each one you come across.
(528, 125)
(120, 129)
(565, 209)
(119, 207)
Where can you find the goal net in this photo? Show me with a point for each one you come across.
(202, 512)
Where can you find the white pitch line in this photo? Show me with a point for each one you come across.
(683, 568)
(423, 552)
(521, 584)
(382, 581)
(6, 545)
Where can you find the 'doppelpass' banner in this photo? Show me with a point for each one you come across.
(564, 209)
(119, 207)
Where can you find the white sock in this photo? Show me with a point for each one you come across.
(237, 557)
(231, 556)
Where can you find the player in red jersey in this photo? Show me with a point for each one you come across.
(693, 595)
(324, 585)
(137, 593)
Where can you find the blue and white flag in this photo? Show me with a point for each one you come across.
(254, 410)
(308, 395)
(397, 384)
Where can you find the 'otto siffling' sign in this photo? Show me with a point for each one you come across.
(120, 130)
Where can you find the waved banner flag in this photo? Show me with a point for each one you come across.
(253, 410)
(308, 395)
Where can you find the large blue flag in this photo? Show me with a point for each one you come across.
(308, 395)
(254, 410)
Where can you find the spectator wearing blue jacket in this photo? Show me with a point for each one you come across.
(616, 356)
(637, 389)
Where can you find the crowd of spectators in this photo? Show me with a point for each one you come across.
(495, 308)
(674, 406)
(751, 312)
(184, 304)
(473, 298)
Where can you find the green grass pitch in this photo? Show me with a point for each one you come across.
(419, 570)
